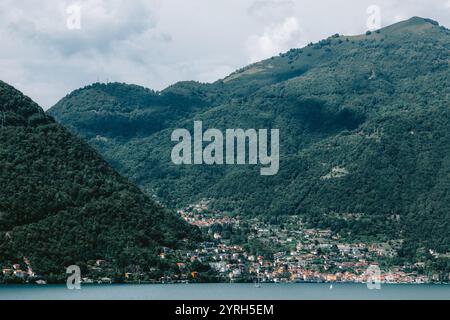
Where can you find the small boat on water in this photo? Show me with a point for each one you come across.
(331, 287)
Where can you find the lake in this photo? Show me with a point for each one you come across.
(294, 291)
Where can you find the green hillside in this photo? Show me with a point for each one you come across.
(61, 204)
(364, 126)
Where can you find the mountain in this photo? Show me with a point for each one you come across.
(61, 204)
(364, 135)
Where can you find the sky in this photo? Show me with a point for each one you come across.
(49, 48)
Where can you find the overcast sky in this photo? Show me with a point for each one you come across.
(46, 51)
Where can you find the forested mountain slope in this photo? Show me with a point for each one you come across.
(364, 127)
(61, 204)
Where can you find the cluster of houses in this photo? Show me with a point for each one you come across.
(21, 271)
(194, 215)
(297, 254)
(232, 263)
(301, 254)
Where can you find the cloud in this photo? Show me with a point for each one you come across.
(50, 60)
(273, 9)
(156, 43)
(400, 17)
(275, 39)
(103, 23)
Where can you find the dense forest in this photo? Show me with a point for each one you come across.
(61, 204)
(364, 126)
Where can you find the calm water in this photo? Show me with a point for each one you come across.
(301, 291)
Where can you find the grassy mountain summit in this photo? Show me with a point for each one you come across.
(364, 128)
(61, 204)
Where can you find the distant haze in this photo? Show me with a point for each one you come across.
(156, 43)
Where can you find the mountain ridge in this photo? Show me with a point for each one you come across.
(362, 126)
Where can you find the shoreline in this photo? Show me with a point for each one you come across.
(216, 283)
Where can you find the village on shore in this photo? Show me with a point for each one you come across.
(258, 251)
(295, 253)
